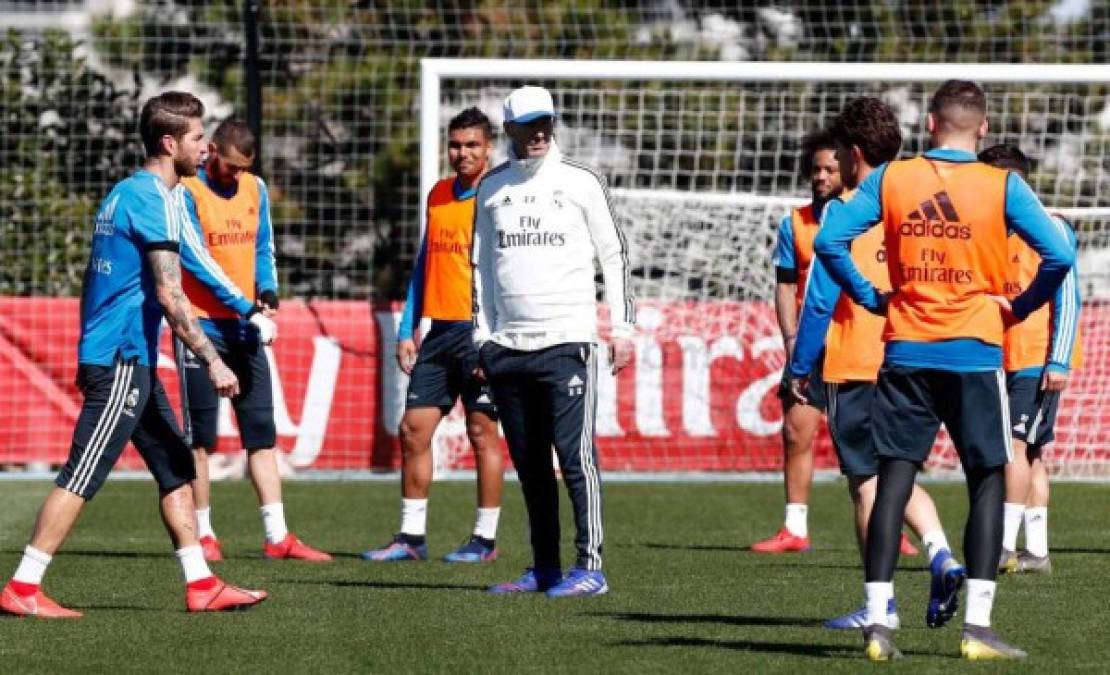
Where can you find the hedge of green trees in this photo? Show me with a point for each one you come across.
(341, 83)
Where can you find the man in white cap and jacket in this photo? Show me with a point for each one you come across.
(541, 220)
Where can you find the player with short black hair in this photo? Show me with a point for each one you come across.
(792, 259)
(1037, 355)
(442, 371)
(236, 299)
(945, 218)
(132, 282)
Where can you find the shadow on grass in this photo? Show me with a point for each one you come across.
(88, 553)
(374, 583)
(905, 566)
(1071, 549)
(726, 619)
(345, 555)
(170, 608)
(736, 548)
(793, 648)
(828, 651)
(696, 547)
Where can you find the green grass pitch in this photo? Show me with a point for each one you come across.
(686, 595)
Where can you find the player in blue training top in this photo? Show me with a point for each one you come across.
(945, 217)
(133, 279)
(1037, 356)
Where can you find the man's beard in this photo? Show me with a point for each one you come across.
(183, 167)
(824, 199)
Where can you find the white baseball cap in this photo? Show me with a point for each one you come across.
(528, 103)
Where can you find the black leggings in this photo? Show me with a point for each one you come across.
(982, 535)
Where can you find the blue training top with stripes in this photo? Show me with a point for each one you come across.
(120, 312)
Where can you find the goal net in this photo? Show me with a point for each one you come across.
(703, 162)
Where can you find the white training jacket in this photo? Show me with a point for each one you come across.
(539, 224)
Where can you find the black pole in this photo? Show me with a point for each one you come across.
(251, 10)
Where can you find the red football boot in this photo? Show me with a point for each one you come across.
(37, 605)
(906, 547)
(294, 549)
(782, 542)
(211, 547)
(219, 596)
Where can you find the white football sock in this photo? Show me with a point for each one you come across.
(193, 566)
(934, 542)
(273, 521)
(980, 600)
(485, 522)
(32, 567)
(414, 516)
(878, 595)
(1011, 523)
(204, 523)
(796, 519)
(1036, 531)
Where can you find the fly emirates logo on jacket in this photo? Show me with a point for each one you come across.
(521, 223)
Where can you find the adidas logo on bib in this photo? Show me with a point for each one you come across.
(575, 386)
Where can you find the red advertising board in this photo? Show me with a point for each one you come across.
(700, 396)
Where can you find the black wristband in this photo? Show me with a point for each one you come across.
(270, 298)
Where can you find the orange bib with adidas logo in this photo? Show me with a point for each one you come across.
(945, 231)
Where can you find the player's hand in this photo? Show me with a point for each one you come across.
(268, 303)
(267, 329)
(1054, 380)
(1008, 318)
(225, 382)
(620, 353)
(406, 355)
(480, 365)
(798, 388)
(884, 303)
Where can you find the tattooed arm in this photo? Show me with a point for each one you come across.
(166, 270)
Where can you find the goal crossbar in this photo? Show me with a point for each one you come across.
(433, 71)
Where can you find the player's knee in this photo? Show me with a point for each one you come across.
(414, 433)
(862, 488)
(798, 430)
(482, 433)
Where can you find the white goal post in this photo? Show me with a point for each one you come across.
(701, 157)
(433, 71)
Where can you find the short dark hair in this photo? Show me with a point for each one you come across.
(167, 113)
(469, 118)
(869, 124)
(235, 133)
(1008, 157)
(814, 142)
(959, 104)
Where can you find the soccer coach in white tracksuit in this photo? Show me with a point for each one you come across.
(540, 222)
